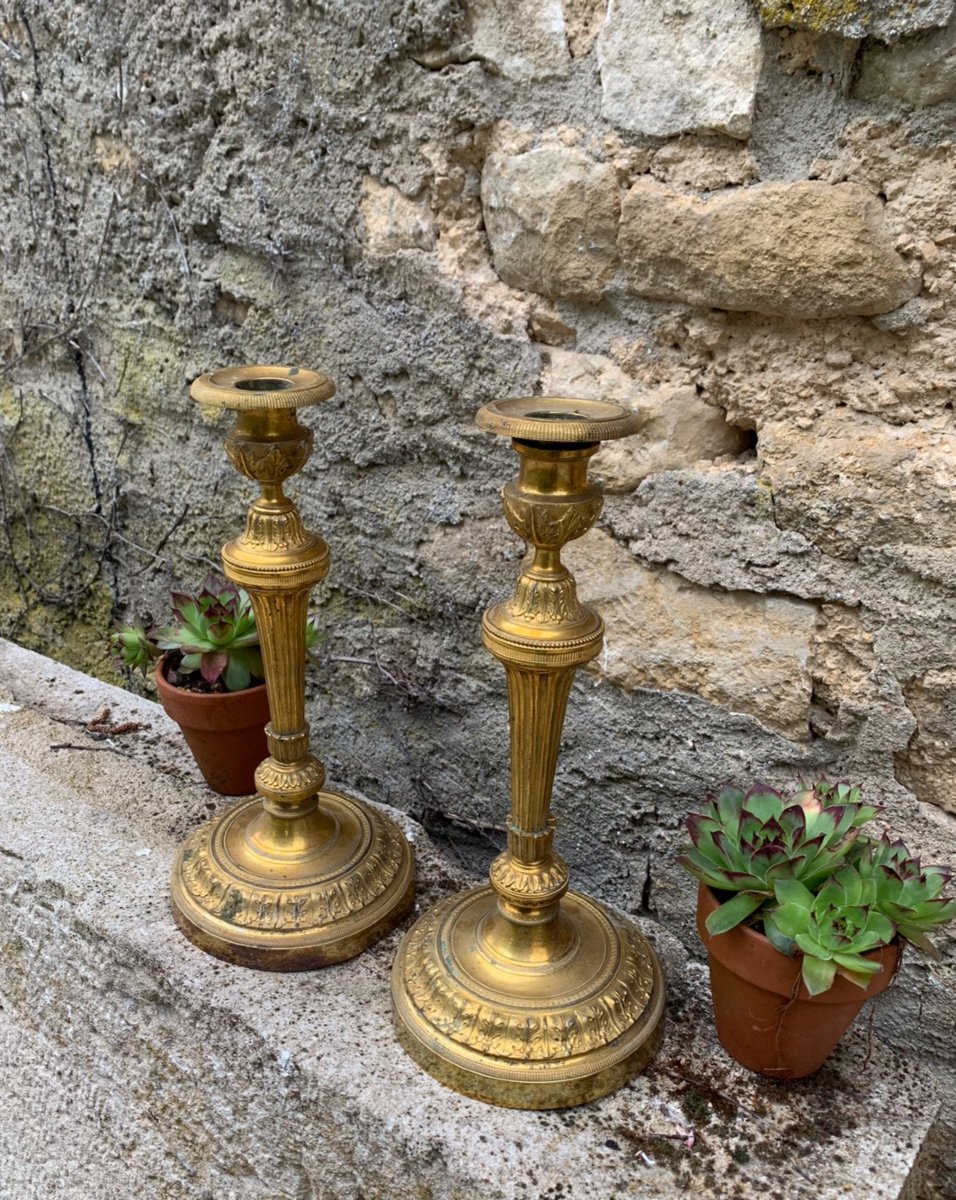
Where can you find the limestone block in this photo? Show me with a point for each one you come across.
(393, 221)
(523, 40)
(678, 427)
(920, 72)
(928, 765)
(857, 701)
(825, 56)
(762, 368)
(851, 481)
(804, 249)
(551, 216)
(742, 651)
(883, 19)
(687, 67)
(714, 525)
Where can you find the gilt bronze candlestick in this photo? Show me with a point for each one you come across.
(294, 877)
(523, 993)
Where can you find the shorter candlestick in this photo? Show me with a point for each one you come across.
(523, 993)
(295, 877)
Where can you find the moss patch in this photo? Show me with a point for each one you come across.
(75, 636)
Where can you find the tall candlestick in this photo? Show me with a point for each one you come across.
(523, 993)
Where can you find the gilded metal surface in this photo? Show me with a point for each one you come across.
(523, 993)
(261, 388)
(555, 419)
(294, 877)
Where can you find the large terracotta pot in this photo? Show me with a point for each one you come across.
(766, 1019)
(225, 732)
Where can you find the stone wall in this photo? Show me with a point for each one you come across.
(737, 218)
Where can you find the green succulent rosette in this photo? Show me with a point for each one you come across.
(834, 930)
(907, 892)
(803, 870)
(132, 648)
(215, 631)
(746, 842)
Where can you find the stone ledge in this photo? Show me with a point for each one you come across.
(138, 1067)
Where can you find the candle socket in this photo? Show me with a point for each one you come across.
(523, 993)
(294, 877)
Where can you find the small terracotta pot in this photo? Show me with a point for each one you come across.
(225, 732)
(766, 1019)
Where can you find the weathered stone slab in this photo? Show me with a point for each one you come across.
(138, 1065)
(679, 429)
(920, 72)
(884, 19)
(551, 216)
(804, 249)
(523, 40)
(688, 67)
(746, 652)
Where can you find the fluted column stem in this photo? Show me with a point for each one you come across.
(542, 634)
(278, 562)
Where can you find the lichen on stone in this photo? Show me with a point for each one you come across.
(820, 16)
(885, 19)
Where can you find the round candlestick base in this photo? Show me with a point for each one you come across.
(292, 894)
(527, 1016)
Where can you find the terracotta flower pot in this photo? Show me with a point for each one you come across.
(225, 732)
(766, 1019)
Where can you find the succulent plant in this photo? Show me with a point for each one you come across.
(804, 871)
(131, 646)
(908, 893)
(212, 638)
(215, 632)
(833, 929)
(745, 842)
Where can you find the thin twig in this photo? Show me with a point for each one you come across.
(66, 329)
(44, 593)
(376, 597)
(367, 662)
(172, 529)
(87, 354)
(74, 746)
(78, 307)
(172, 220)
(113, 533)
